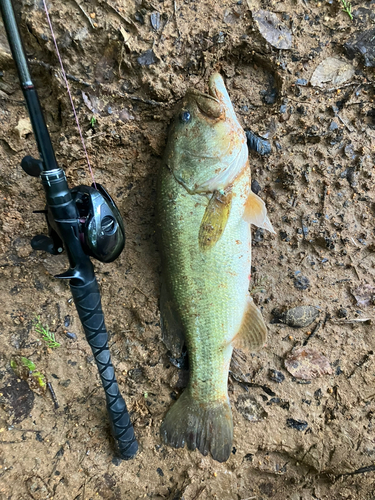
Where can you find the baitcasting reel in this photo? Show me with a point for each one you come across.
(101, 228)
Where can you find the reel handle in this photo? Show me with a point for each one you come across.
(87, 300)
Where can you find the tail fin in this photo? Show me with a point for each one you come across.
(208, 427)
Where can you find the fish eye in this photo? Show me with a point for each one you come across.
(185, 116)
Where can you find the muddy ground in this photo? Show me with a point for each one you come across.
(318, 184)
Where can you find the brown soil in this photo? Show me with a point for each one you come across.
(322, 214)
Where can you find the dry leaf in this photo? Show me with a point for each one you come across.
(364, 295)
(272, 29)
(307, 363)
(332, 70)
(101, 108)
(250, 409)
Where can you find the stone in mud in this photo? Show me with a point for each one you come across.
(299, 425)
(147, 58)
(362, 44)
(276, 376)
(297, 317)
(258, 144)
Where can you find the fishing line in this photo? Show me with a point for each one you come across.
(70, 95)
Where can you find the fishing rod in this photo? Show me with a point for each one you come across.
(86, 222)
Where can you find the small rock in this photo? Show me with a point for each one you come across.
(138, 16)
(279, 402)
(116, 461)
(147, 58)
(361, 44)
(283, 108)
(65, 383)
(255, 187)
(333, 126)
(301, 282)
(276, 376)
(259, 235)
(342, 313)
(258, 144)
(297, 317)
(318, 394)
(155, 20)
(299, 425)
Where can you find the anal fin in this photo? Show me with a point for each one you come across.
(252, 334)
(172, 330)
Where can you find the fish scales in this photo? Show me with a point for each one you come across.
(210, 289)
(205, 206)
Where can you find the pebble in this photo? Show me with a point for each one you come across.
(155, 20)
(297, 317)
(342, 312)
(299, 425)
(301, 282)
(147, 58)
(255, 187)
(333, 126)
(276, 376)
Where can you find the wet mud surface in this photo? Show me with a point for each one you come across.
(295, 437)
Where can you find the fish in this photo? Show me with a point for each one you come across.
(205, 207)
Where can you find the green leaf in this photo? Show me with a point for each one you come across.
(28, 363)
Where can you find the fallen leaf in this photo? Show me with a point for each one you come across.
(306, 363)
(99, 107)
(250, 409)
(272, 29)
(333, 70)
(364, 295)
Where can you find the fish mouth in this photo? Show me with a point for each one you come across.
(209, 106)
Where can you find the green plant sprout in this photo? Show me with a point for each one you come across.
(347, 8)
(47, 336)
(93, 121)
(24, 369)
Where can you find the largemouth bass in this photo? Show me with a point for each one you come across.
(205, 208)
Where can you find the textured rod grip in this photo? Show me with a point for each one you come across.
(89, 307)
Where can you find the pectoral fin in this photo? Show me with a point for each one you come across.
(253, 332)
(214, 220)
(172, 330)
(256, 212)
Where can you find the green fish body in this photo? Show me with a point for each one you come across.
(205, 207)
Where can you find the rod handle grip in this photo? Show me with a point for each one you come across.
(88, 304)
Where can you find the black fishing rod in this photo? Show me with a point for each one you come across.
(86, 222)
